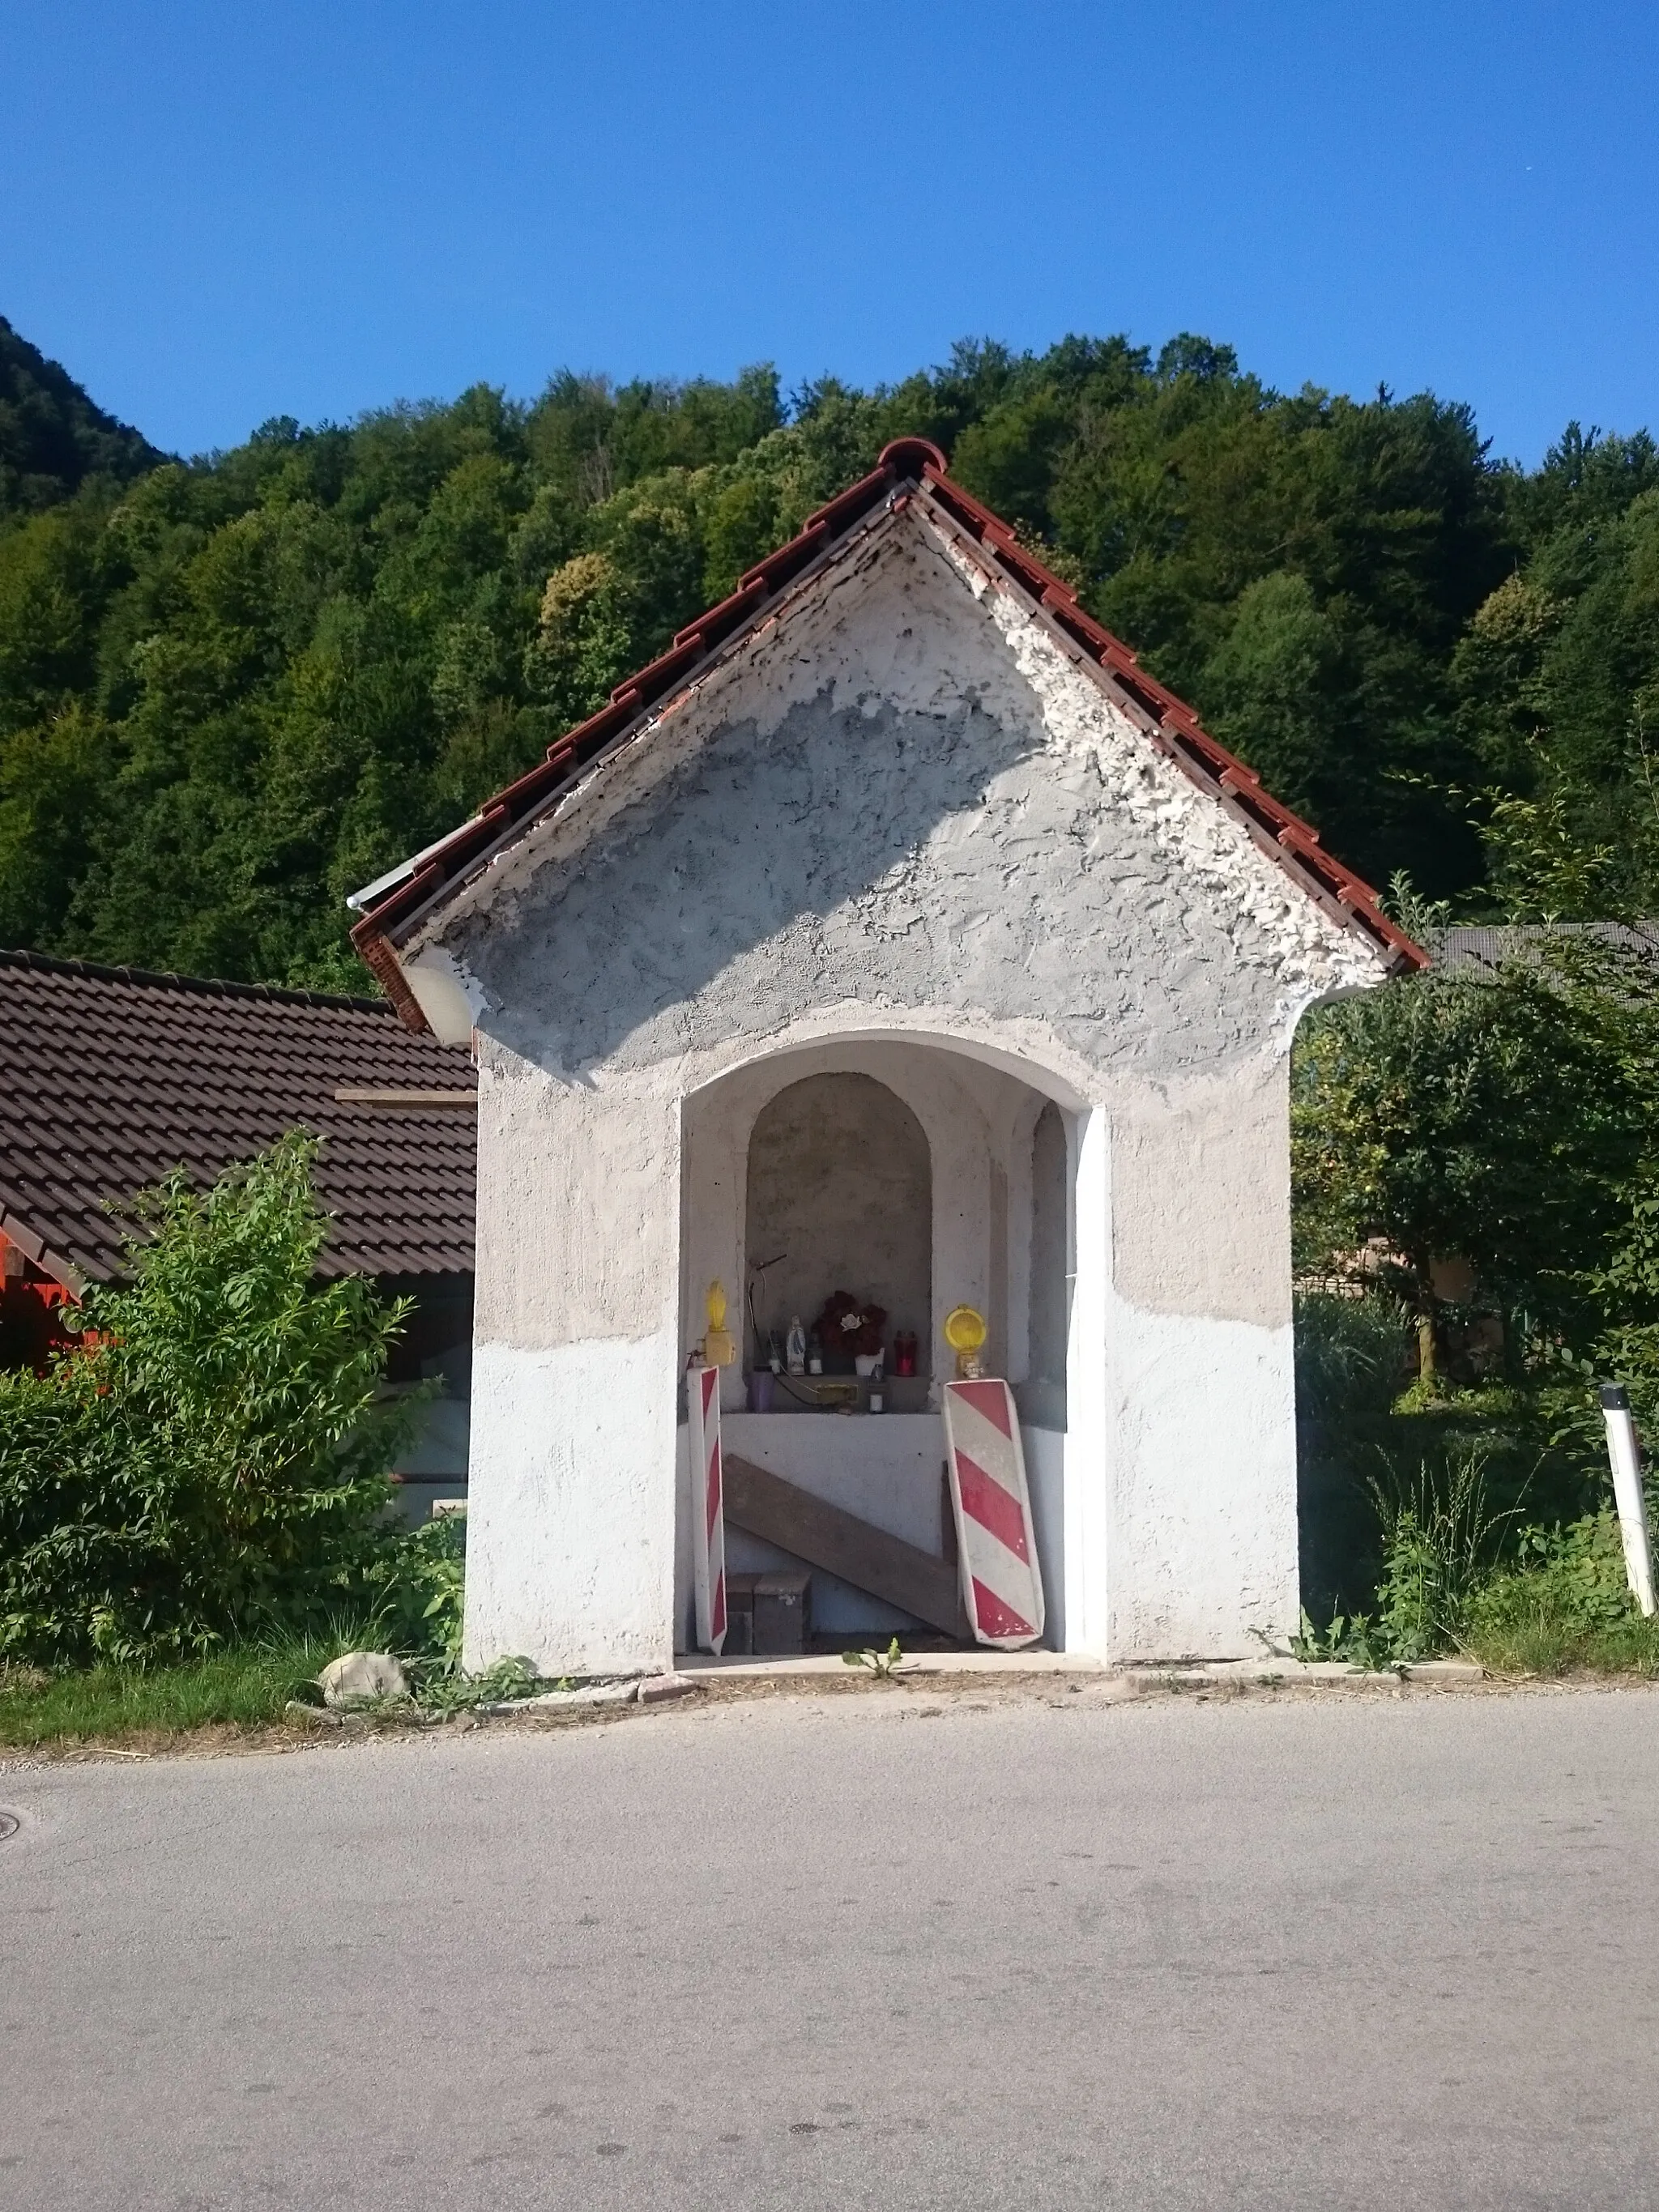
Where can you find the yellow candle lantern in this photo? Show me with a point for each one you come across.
(965, 1333)
(719, 1346)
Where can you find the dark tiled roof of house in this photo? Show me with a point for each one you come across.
(111, 1077)
(398, 903)
(1486, 947)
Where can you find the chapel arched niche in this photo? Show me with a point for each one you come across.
(840, 1197)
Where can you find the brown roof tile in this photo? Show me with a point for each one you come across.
(110, 1077)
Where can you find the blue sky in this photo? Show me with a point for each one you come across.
(214, 213)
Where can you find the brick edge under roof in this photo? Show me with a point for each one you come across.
(909, 464)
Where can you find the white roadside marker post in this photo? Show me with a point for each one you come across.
(1626, 1454)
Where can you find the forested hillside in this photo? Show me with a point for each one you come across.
(232, 689)
(52, 436)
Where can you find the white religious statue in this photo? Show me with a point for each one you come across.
(796, 1347)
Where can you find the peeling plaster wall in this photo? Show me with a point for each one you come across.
(903, 833)
(908, 797)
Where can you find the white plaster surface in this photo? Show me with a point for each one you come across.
(446, 995)
(1045, 1482)
(1201, 1537)
(570, 1532)
(885, 1467)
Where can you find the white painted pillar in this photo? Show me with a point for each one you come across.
(570, 1537)
(1088, 1390)
(1202, 1499)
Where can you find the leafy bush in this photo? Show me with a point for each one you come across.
(1563, 1600)
(420, 1578)
(216, 1451)
(1350, 1356)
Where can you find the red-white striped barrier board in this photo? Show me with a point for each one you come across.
(1001, 1578)
(703, 1406)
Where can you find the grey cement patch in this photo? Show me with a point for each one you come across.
(867, 853)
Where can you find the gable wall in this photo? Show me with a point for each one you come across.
(905, 799)
(902, 813)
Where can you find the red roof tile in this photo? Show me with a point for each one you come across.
(910, 467)
(111, 1077)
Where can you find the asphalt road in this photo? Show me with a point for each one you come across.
(888, 1951)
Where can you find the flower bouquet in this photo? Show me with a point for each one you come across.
(849, 1328)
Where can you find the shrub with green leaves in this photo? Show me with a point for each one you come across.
(419, 1581)
(1459, 1574)
(1562, 1598)
(216, 1452)
(1350, 1356)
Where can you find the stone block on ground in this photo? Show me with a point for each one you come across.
(359, 1678)
(656, 1689)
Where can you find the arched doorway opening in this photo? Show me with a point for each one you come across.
(915, 1177)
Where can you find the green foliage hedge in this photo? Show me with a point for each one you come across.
(215, 1454)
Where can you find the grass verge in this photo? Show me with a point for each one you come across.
(246, 1687)
(1537, 1640)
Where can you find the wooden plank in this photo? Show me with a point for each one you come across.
(825, 1536)
(810, 1529)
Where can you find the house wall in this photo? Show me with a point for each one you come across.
(908, 836)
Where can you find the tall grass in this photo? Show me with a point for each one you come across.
(1442, 1538)
(1561, 1601)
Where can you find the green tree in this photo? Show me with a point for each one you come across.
(231, 690)
(1497, 1122)
(52, 438)
(217, 1451)
(1558, 683)
(1507, 1121)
